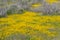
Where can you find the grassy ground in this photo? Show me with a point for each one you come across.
(29, 26)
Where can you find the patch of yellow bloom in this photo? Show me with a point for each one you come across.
(36, 5)
(28, 23)
(52, 1)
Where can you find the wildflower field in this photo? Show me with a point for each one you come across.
(29, 27)
(28, 23)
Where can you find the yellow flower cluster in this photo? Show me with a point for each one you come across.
(29, 23)
(52, 1)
